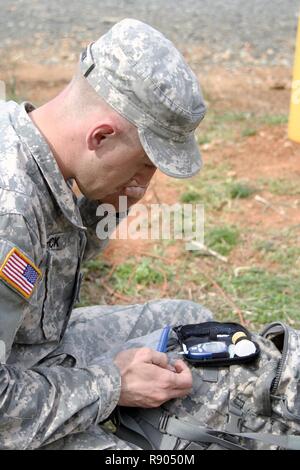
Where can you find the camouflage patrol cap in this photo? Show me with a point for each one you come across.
(141, 75)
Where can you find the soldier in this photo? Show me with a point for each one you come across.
(132, 107)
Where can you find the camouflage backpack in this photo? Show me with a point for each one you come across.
(252, 405)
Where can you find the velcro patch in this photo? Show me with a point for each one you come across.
(20, 273)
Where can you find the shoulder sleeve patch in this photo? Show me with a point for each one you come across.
(20, 273)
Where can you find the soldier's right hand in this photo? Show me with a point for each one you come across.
(147, 380)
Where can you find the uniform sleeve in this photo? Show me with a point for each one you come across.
(14, 233)
(42, 404)
(97, 239)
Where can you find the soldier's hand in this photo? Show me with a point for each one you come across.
(148, 380)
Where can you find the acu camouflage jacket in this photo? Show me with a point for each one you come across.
(43, 225)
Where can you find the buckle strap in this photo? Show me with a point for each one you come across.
(236, 415)
(163, 422)
(190, 432)
(167, 424)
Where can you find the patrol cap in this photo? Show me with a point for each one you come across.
(142, 76)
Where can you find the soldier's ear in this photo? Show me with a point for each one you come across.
(97, 135)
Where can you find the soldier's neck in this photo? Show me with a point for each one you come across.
(50, 126)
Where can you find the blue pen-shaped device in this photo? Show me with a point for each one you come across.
(163, 340)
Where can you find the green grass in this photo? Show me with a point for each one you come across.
(284, 187)
(283, 249)
(12, 91)
(265, 246)
(239, 190)
(213, 188)
(286, 256)
(222, 239)
(190, 196)
(267, 290)
(145, 273)
(264, 296)
(231, 125)
(233, 116)
(94, 271)
(204, 139)
(210, 187)
(215, 127)
(95, 266)
(122, 279)
(280, 186)
(274, 119)
(248, 132)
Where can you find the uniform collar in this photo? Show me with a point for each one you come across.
(29, 134)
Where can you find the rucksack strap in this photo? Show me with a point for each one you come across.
(167, 424)
(191, 432)
(131, 427)
(131, 423)
(289, 442)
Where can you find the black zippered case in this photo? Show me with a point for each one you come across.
(199, 333)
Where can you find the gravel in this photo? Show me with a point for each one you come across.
(259, 31)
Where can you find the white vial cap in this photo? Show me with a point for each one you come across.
(244, 348)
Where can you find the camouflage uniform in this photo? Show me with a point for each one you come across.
(58, 380)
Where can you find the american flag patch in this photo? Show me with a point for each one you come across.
(20, 273)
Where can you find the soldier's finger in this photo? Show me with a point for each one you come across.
(160, 359)
(180, 366)
(183, 379)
